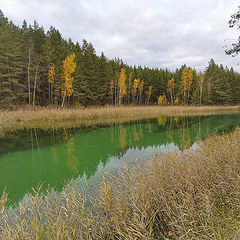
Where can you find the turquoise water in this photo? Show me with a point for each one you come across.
(32, 157)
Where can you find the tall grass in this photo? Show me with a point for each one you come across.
(45, 118)
(183, 195)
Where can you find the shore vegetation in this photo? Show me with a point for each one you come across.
(188, 194)
(53, 118)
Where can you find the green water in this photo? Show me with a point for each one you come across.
(53, 157)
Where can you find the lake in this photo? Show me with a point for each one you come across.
(54, 157)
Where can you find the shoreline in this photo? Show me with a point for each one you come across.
(50, 118)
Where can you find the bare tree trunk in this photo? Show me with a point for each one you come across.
(209, 90)
(171, 98)
(119, 100)
(184, 98)
(133, 98)
(35, 83)
(9, 79)
(28, 77)
(112, 101)
(52, 92)
(64, 96)
(63, 102)
(49, 92)
(115, 90)
(118, 95)
(129, 91)
(201, 94)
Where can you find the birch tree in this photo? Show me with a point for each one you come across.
(68, 68)
(122, 85)
(189, 83)
(183, 84)
(170, 88)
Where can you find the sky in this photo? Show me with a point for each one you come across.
(152, 33)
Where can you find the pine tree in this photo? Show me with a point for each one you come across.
(89, 81)
(11, 89)
(38, 38)
(104, 77)
(27, 54)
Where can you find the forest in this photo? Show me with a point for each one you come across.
(39, 67)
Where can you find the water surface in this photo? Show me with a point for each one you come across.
(53, 157)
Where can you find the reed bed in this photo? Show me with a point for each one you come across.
(46, 118)
(182, 195)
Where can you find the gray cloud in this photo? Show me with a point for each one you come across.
(154, 33)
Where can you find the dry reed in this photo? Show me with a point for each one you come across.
(182, 195)
(46, 118)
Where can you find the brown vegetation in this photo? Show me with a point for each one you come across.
(56, 118)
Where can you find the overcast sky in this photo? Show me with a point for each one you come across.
(154, 33)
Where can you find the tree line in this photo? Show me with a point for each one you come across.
(42, 68)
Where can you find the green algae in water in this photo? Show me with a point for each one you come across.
(32, 157)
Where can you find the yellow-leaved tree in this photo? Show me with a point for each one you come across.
(177, 101)
(148, 94)
(122, 85)
(186, 84)
(68, 68)
(135, 87)
(170, 89)
(162, 100)
(51, 73)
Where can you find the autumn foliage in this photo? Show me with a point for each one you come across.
(122, 85)
(68, 68)
(162, 100)
(186, 83)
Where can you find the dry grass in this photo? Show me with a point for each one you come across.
(56, 118)
(182, 195)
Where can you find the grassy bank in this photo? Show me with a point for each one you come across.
(56, 118)
(182, 195)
